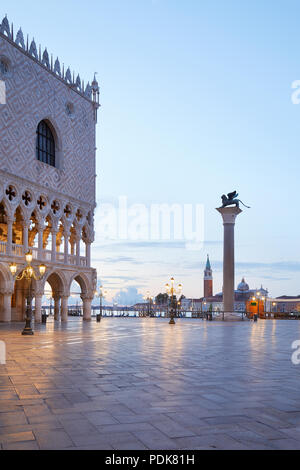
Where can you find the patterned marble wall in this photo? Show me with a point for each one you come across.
(33, 94)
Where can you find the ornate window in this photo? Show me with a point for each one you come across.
(45, 144)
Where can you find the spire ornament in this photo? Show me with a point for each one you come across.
(5, 27)
(57, 67)
(88, 91)
(45, 59)
(78, 82)
(20, 39)
(68, 76)
(33, 50)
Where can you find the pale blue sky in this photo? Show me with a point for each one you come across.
(196, 101)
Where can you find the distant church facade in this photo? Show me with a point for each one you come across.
(243, 296)
(47, 175)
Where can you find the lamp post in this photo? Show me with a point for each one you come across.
(172, 291)
(264, 304)
(101, 294)
(149, 300)
(179, 307)
(28, 274)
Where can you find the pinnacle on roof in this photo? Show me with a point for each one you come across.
(208, 266)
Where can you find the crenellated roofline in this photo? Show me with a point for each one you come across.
(90, 92)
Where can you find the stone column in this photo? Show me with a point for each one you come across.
(53, 250)
(87, 302)
(25, 236)
(64, 308)
(229, 215)
(40, 242)
(88, 254)
(66, 247)
(38, 308)
(78, 238)
(9, 237)
(5, 312)
(20, 302)
(56, 308)
(72, 243)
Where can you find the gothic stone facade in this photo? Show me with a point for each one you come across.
(45, 208)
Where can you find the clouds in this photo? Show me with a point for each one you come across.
(129, 296)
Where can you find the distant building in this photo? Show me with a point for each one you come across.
(286, 304)
(208, 280)
(243, 296)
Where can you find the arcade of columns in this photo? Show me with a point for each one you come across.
(24, 226)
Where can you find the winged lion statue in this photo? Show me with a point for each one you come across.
(232, 199)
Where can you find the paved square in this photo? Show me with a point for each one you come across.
(131, 383)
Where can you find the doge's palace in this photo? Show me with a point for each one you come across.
(47, 176)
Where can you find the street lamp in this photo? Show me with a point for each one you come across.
(172, 291)
(28, 274)
(149, 299)
(179, 307)
(101, 294)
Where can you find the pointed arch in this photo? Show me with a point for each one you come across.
(57, 281)
(83, 282)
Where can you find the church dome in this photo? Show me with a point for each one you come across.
(243, 286)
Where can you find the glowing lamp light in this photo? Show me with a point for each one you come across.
(28, 257)
(13, 268)
(42, 269)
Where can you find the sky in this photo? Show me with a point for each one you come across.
(196, 101)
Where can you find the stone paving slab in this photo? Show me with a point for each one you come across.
(143, 384)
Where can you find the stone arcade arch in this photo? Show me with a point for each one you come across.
(60, 292)
(86, 294)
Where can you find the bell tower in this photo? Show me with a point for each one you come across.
(208, 279)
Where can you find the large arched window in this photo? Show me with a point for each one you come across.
(45, 144)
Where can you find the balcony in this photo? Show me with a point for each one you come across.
(18, 251)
